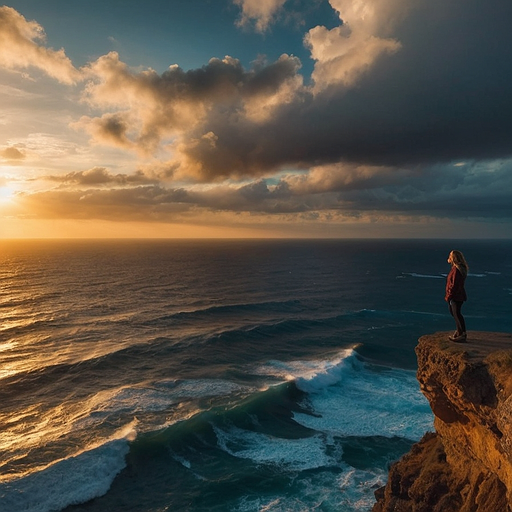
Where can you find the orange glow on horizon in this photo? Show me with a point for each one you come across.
(69, 228)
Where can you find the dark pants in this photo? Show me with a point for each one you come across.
(455, 307)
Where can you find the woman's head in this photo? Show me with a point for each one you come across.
(457, 258)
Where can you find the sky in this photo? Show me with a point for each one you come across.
(256, 118)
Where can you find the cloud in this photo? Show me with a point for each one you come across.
(439, 99)
(434, 100)
(101, 176)
(343, 53)
(12, 153)
(109, 129)
(19, 48)
(480, 191)
(260, 13)
(46, 146)
(143, 203)
(343, 177)
(175, 107)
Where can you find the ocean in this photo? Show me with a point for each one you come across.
(221, 375)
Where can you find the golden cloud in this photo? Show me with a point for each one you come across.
(342, 177)
(19, 48)
(101, 176)
(12, 153)
(260, 12)
(174, 110)
(344, 53)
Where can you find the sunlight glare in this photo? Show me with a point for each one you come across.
(6, 194)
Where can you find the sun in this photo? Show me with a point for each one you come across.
(7, 194)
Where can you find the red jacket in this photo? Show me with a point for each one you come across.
(455, 286)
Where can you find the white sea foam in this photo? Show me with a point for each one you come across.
(356, 489)
(424, 276)
(369, 403)
(351, 398)
(332, 485)
(159, 397)
(70, 481)
(316, 373)
(292, 454)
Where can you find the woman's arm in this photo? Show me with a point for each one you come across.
(450, 284)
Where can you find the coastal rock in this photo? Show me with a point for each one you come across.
(466, 464)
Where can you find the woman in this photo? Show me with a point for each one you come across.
(456, 294)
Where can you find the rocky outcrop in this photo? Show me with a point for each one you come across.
(466, 464)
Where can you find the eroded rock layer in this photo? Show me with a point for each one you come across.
(466, 464)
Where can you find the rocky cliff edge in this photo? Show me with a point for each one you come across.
(466, 464)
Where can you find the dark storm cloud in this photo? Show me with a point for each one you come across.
(479, 190)
(445, 95)
(114, 128)
(168, 105)
(426, 81)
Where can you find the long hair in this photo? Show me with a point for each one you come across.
(460, 262)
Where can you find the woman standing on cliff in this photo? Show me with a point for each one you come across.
(456, 293)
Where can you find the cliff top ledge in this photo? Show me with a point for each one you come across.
(479, 345)
(477, 372)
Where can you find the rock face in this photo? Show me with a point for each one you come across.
(466, 464)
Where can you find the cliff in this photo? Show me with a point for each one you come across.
(466, 464)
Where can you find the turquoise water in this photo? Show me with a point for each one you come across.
(221, 375)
